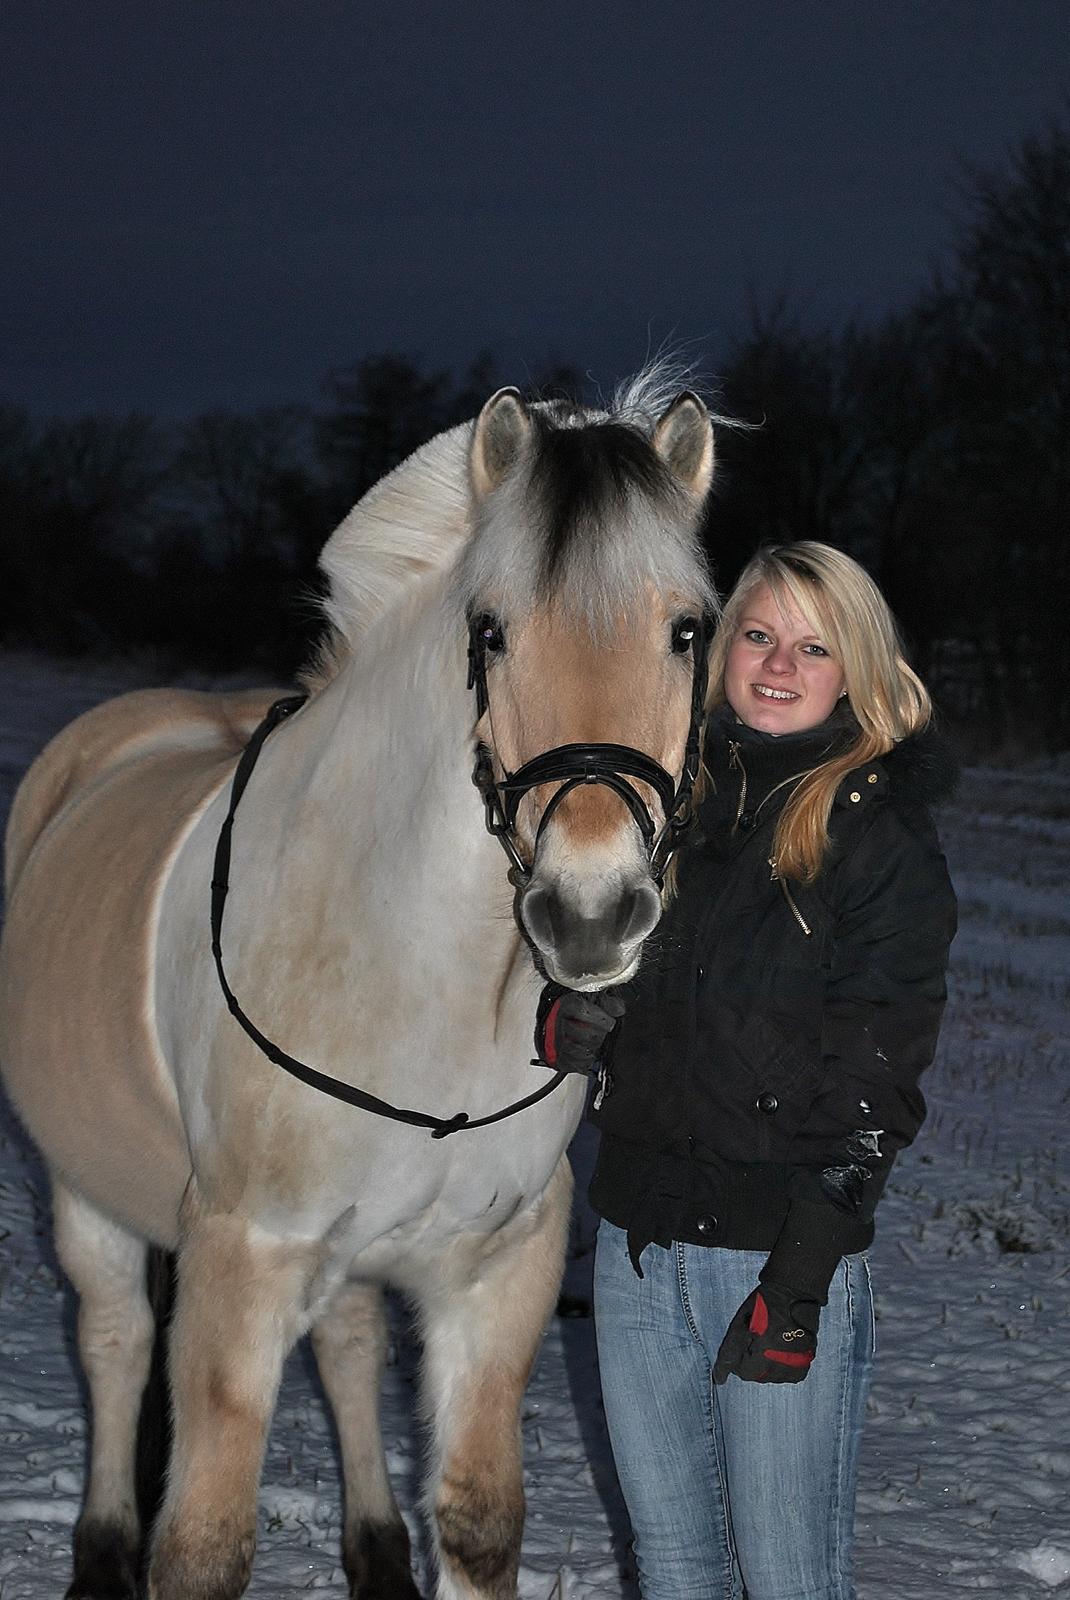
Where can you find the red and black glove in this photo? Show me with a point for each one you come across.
(571, 1029)
(771, 1339)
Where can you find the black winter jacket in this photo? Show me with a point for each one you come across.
(766, 1072)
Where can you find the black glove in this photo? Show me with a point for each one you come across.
(571, 1028)
(771, 1339)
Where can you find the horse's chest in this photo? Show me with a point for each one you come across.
(439, 1230)
(440, 1205)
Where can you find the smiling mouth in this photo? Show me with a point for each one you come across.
(773, 694)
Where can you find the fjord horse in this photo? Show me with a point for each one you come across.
(374, 932)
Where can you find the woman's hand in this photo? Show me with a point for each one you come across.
(771, 1339)
(571, 1028)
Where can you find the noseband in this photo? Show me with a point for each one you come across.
(608, 764)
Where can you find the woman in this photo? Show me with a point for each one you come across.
(763, 1079)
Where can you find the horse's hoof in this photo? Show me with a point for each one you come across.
(377, 1563)
(105, 1563)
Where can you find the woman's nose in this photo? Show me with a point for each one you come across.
(779, 659)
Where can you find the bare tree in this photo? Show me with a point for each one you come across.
(1004, 318)
(238, 476)
(85, 498)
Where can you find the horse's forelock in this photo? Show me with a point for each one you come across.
(583, 480)
(594, 522)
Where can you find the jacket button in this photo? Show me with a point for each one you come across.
(872, 778)
(855, 796)
(767, 1103)
(746, 820)
(706, 1225)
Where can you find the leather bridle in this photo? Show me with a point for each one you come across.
(608, 764)
(569, 764)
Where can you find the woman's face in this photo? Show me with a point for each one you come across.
(779, 676)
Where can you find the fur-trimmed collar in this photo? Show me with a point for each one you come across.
(923, 768)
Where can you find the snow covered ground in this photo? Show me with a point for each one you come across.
(966, 1460)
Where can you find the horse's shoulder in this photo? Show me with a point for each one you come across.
(130, 727)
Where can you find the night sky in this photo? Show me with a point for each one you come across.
(210, 202)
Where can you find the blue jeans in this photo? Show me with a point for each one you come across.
(742, 1489)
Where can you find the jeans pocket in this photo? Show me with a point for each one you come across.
(861, 1305)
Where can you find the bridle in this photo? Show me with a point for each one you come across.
(608, 764)
(569, 764)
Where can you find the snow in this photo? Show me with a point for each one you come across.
(965, 1473)
(1048, 1562)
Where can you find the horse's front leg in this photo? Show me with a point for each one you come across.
(106, 1264)
(239, 1308)
(350, 1343)
(480, 1343)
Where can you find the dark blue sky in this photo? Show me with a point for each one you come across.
(210, 202)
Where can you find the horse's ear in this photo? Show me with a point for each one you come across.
(684, 440)
(502, 429)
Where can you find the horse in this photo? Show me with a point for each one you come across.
(524, 595)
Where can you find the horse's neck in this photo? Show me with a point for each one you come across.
(375, 828)
(407, 696)
(385, 763)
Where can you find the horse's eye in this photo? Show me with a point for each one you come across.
(684, 630)
(492, 634)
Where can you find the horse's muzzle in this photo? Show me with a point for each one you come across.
(590, 949)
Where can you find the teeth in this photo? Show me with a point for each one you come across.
(774, 694)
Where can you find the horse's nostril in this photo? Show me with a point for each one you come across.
(637, 913)
(626, 910)
(541, 911)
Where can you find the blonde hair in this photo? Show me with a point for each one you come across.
(844, 607)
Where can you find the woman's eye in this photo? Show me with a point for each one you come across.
(756, 636)
(683, 634)
(816, 650)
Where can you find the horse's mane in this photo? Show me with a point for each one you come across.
(417, 519)
(412, 521)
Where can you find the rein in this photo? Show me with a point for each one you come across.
(336, 1087)
(569, 764)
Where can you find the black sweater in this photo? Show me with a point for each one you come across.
(766, 1072)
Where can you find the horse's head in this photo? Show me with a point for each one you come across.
(586, 591)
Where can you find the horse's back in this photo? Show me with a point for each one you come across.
(116, 731)
(94, 828)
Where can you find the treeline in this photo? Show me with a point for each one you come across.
(199, 542)
(935, 447)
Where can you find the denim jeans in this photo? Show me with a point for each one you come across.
(742, 1489)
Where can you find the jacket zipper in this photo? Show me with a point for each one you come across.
(790, 898)
(736, 760)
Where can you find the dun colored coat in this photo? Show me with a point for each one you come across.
(371, 931)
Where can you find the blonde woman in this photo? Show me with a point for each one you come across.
(764, 1076)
